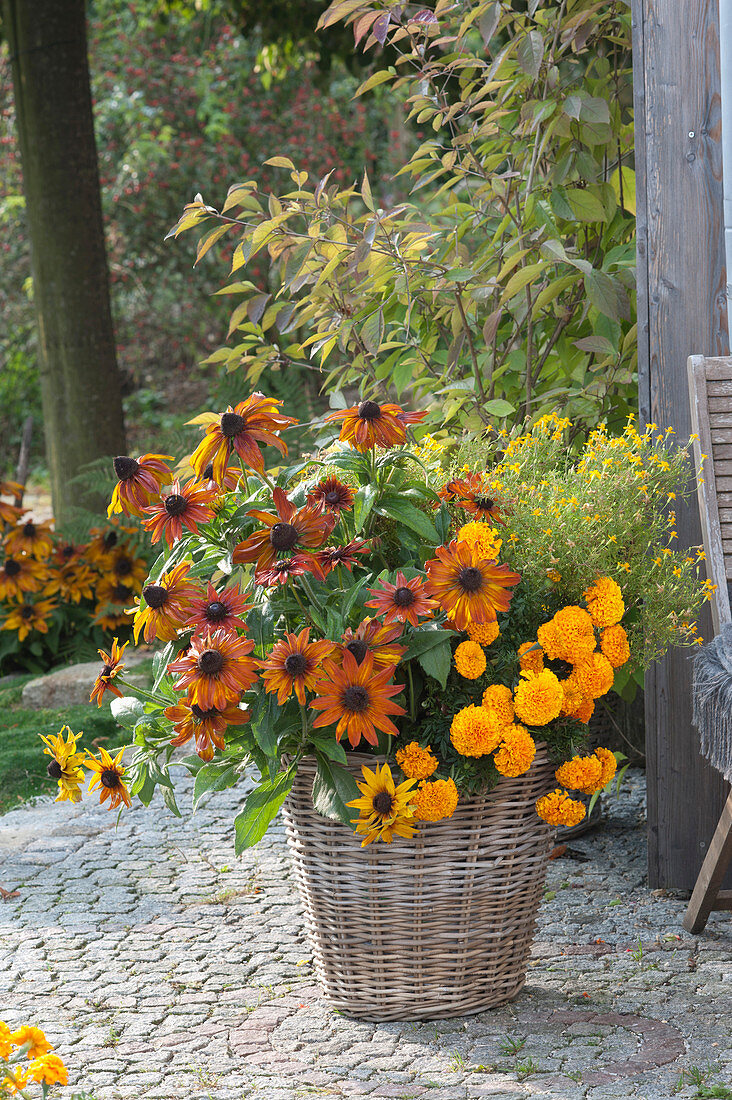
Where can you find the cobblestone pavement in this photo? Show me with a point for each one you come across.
(160, 966)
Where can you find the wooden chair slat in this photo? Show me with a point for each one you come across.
(716, 368)
(721, 452)
(724, 484)
(719, 389)
(721, 436)
(720, 419)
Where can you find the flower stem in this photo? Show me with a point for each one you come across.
(135, 690)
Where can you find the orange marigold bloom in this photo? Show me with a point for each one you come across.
(359, 699)
(605, 602)
(531, 657)
(405, 602)
(609, 766)
(498, 701)
(332, 494)
(436, 800)
(557, 808)
(139, 479)
(14, 1080)
(183, 507)
(295, 664)
(517, 752)
(25, 617)
(378, 639)
(416, 762)
(614, 644)
(594, 677)
(581, 773)
(218, 610)
(6, 1045)
(576, 634)
(216, 669)
(112, 667)
(368, 425)
(207, 727)
(39, 1044)
(168, 605)
(34, 539)
(538, 697)
(288, 530)
(475, 732)
(240, 429)
(470, 660)
(108, 776)
(20, 575)
(576, 704)
(468, 588)
(483, 633)
(48, 1069)
(482, 538)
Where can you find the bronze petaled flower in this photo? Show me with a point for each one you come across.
(294, 665)
(368, 425)
(206, 727)
(357, 700)
(138, 479)
(330, 557)
(111, 668)
(290, 529)
(468, 588)
(218, 610)
(108, 775)
(405, 602)
(217, 668)
(167, 607)
(332, 494)
(378, 639)
(184, 507)
(280, 571)
(241, 429)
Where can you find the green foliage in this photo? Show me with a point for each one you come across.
(504, 285)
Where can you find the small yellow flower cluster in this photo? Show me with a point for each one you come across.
(43, 1068)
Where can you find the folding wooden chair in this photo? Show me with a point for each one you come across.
(710, 398)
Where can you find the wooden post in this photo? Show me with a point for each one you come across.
(682, 310)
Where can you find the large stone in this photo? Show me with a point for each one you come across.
(72, 685)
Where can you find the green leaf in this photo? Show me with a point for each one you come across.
(373, 81)
(363, 503)
(332, 788)
(126, 711)
(520, 279)
(498, 407)
(530, 53)
(260, 807)
(436, 662)
(214, 776)
(585, 206)
(264, 726)
(607, 295)
(423, 640)
(404, 512)
(328, 746)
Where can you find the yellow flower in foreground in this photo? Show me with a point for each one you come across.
(498, 701)
(475, 732)
(557, 808)
(481, 537)
(39, 1044)
(49, 1069)
(385, 810)
(581, 773)
(483, 633)
(16, 1078)
(416, 762)
(436, 800)
(614, 644)
(605, 602)
(538, 697)
(516, 753)
(470, 660)
(6, 1044)
(65, 763)
(108, 774)
(609, 766)
(531, 657)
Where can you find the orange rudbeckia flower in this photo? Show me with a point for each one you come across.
(218, 610)
(108, 776)
(183, 507)
(377, 638)
(20, 575)
(288, 530)
(405, 602)
(35, 539)
(216, 669)
(241, 429)
(368, 425)
(207, 727)
(467, 587)
(168, 605)
(27, 616)
(139, 479)
(295, 664)
(358, 699)
(112, 667)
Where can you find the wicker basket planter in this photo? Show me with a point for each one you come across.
(434, 927)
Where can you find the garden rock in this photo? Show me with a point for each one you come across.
(71, 686)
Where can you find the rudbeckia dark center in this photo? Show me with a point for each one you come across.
(485, 503)
(26, 611)
(110, 779)
(211, 662)
(296, 664)
(208, 472)
(175, 504)
(121, 594)
(54, 769)
(67, 551)
(358, 648)
(232, 424)
(470, 579)
(29, 530)
(12, 568)
(155, 596)
(369, 410)
(123, 566)
(125, 467)
(333, 497)
(204, 715)
(356, 698)
(216, 611)
(404, 597)
(383, 802)
(106, 672)
(283, 536)
(110, 540)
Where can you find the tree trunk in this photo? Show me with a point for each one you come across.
(80, 383)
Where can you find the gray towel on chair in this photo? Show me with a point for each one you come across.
(713, 700)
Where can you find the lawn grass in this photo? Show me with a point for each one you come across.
(22, 762)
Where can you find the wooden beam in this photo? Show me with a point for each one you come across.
(707, 896)
(682, 311)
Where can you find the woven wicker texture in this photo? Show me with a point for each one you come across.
(437, 926)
